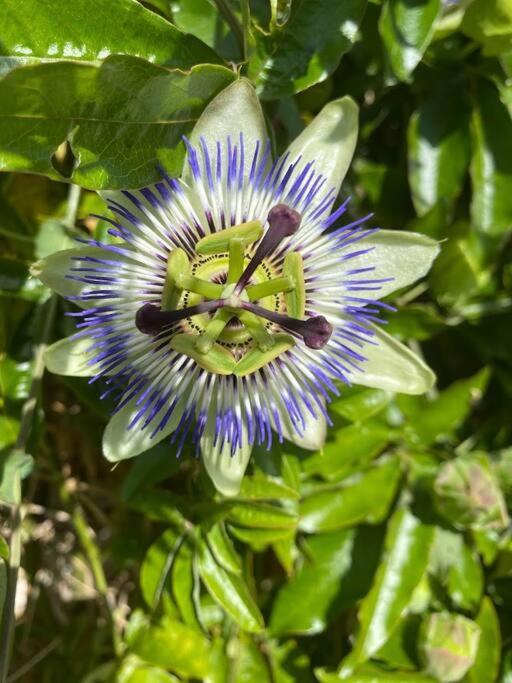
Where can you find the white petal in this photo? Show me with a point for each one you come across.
(120, 442)
(315, 429)
(54, 269)
(235, 110)
(393, 367)
(313, 438)
(329, 141)
(226, 470)
(403, 256)
(70, 356)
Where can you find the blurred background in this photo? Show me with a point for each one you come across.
(389, 556)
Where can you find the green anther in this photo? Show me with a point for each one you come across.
(296, 298)
(256, 359)
(236, 259)
(269, 287)
(209, 290)
(257, 330)
(218, 242)
(178, 266)
(212, 331)
(218, 359)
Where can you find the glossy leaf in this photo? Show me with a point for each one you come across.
(157, 564)
(348, 450)
(487, 662)
(491, 165)
(174, 646)
(365, 497)
(15, 465)
(249, 663)
(429, 421)
(121, 119)
(39, 31)
(456, 567)
(307, 49)
(221, 546)
(303, 604)
(261, 516)
(230, 591)
(184, 582)
(438, 148)
(403, 565)
(406, 29)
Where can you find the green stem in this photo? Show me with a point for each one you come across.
(233, 23)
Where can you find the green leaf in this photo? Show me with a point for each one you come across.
(304, 603)
(262, 516)
(202, 19)
(487, 662)
(431, 420)
(121, 119)
(438, 148)
(365, 497)
(185, 586)
(457, 569)
(404, 563)
(260, 487)
(348, 450)
(259, 539)
(374, 674)
(307, 49)
(222, 548)
(406, 29)
(3, 584)
(489, 23)
(357, 404)
(174, 646)
(35, 31)
(4, 551)
(249, 664)
(229, 591)
(15, 465)
(457, 273)
(156, 566)
(491, 165)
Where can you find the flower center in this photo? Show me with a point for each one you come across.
(228, 305)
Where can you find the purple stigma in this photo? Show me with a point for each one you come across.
(283, 221)
(150, 319)
(315, 331)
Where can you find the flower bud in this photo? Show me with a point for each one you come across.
(468, 495)
(448, 645)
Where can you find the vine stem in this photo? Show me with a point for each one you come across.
(233, 23)
(27, 421)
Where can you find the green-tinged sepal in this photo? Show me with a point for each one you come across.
(226, 469)
(218, 242)
(218, 359)
(178, 266)
(72, 357)
(293, 269)
(255, 358)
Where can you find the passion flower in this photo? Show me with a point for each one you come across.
(233, 304)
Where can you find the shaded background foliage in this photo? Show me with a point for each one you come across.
(387, 557)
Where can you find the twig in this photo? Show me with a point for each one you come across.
(35, 660)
